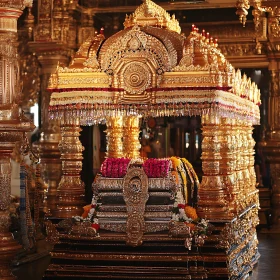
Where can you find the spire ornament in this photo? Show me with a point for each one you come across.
(151, 14)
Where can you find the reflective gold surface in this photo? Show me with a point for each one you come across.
(131, 130)
(229, 182)
(70, 192)
(153, 71)
(114, 135)
(135, 194)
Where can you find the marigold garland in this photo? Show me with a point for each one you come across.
(187, 169)
(86, 211)
(177, 167)
(175, 162)
(191, 212)
(176, 176)
(189, 165)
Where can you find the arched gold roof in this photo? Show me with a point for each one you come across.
(151, 69)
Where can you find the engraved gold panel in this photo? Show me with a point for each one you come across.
(135, 192)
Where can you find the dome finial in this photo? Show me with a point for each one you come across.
(151, 14)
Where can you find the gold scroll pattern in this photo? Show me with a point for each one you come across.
(228, 186)
(135, 191)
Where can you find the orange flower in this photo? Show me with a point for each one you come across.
(191, 212)
(86, 211)
(190, 225)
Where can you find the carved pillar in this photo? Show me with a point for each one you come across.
(114, 135)
(11, 124)
(213, 203)
(131, 145)
(228, 185)
(47, 146)
(51, 39)
(71, 189)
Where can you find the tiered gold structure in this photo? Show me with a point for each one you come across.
(150, 69)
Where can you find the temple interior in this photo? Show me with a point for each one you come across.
(139, 139)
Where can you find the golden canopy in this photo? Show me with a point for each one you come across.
(150, 69)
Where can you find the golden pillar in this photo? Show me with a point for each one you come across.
(47, 146)
(228, 185)
(12, 125)
(131, 145)
(54, 37)
(213, 203)
(70, 192)
(114, 135)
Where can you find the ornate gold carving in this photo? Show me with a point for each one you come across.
(274, 27)
(115, 53)
(83, 229)
(114, 134)
(29, 64)
(131, 145)
(5, 183)
(141, 61)
(83, 78)
(229, 182)
(16, 4)
(239, 49)
(12, 124)
(179, 229)
(121, 226)
(135, 192)
(151, 14)
(136, 77)
(242, 10)
(56, 27)
(43, 29)
(70, 192)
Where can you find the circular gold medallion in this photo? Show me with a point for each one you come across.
(136, 77)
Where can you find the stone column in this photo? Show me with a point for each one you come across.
(12, 124)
